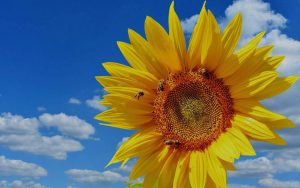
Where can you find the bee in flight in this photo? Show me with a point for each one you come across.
(174, 143)
(139, 94)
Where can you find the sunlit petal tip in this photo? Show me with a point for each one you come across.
(124, 163)
(204, 5)
(149, 20)
(130, 31)
(276, 61)
(111, 162)
(278, 140)
(258, 38)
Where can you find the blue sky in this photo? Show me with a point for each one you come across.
(50, 52)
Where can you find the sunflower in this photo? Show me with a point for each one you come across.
(194, 109)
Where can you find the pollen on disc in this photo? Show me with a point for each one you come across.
(193, 109)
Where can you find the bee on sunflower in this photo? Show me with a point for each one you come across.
(194, 109)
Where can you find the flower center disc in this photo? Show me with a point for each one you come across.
(192, 109)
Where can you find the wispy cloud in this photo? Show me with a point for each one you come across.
(124, 139)
(41, 109)
(240, 186)
(94, 103)
(74, 100)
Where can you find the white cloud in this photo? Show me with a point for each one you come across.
(189, 23)
(266, 167)
(41, 109)
(9, 167)
(94, 103)
(74, 100)
(95, 177)
(288, 47)
(257, 16)
(240, 186)
(273, 183)
(68, 125)
(54, 146)
(71, 186)
(20, 184)
(259, 167)
(124, 139)
(15, 124)
(22, 134)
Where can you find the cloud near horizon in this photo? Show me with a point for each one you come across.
(23, 134)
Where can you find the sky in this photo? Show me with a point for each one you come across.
(50, 53)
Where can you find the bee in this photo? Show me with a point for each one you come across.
(204, 72)
(174, 143)
(139, 94)
(161, 85)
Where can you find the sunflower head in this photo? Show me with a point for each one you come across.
(194, 109)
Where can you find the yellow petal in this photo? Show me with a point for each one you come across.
(277, 140)
(215, 171)
(215, 50)
(250, 46)
(124, 162)
(121, 102)
(241, 142)
(148, 55)
(123, 71)
(131, 92)
(167, 174)
(207, 37)
(210, 183)
(145, 164)
(142, 143)
(253, 128)
(227, 165)
(182, 169)
(121, 120)
(252, 66)
(275, 61)
(252, 86)
(254, 109)
(225, 145)
(231, 35)
(176, 34)
(195, 47)
(162, 44)
(198, 166)
(131, 56)
(151, 178)
(280, 123)
(107, 81)
(221, 151)
(278, 86)
(231, 64)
